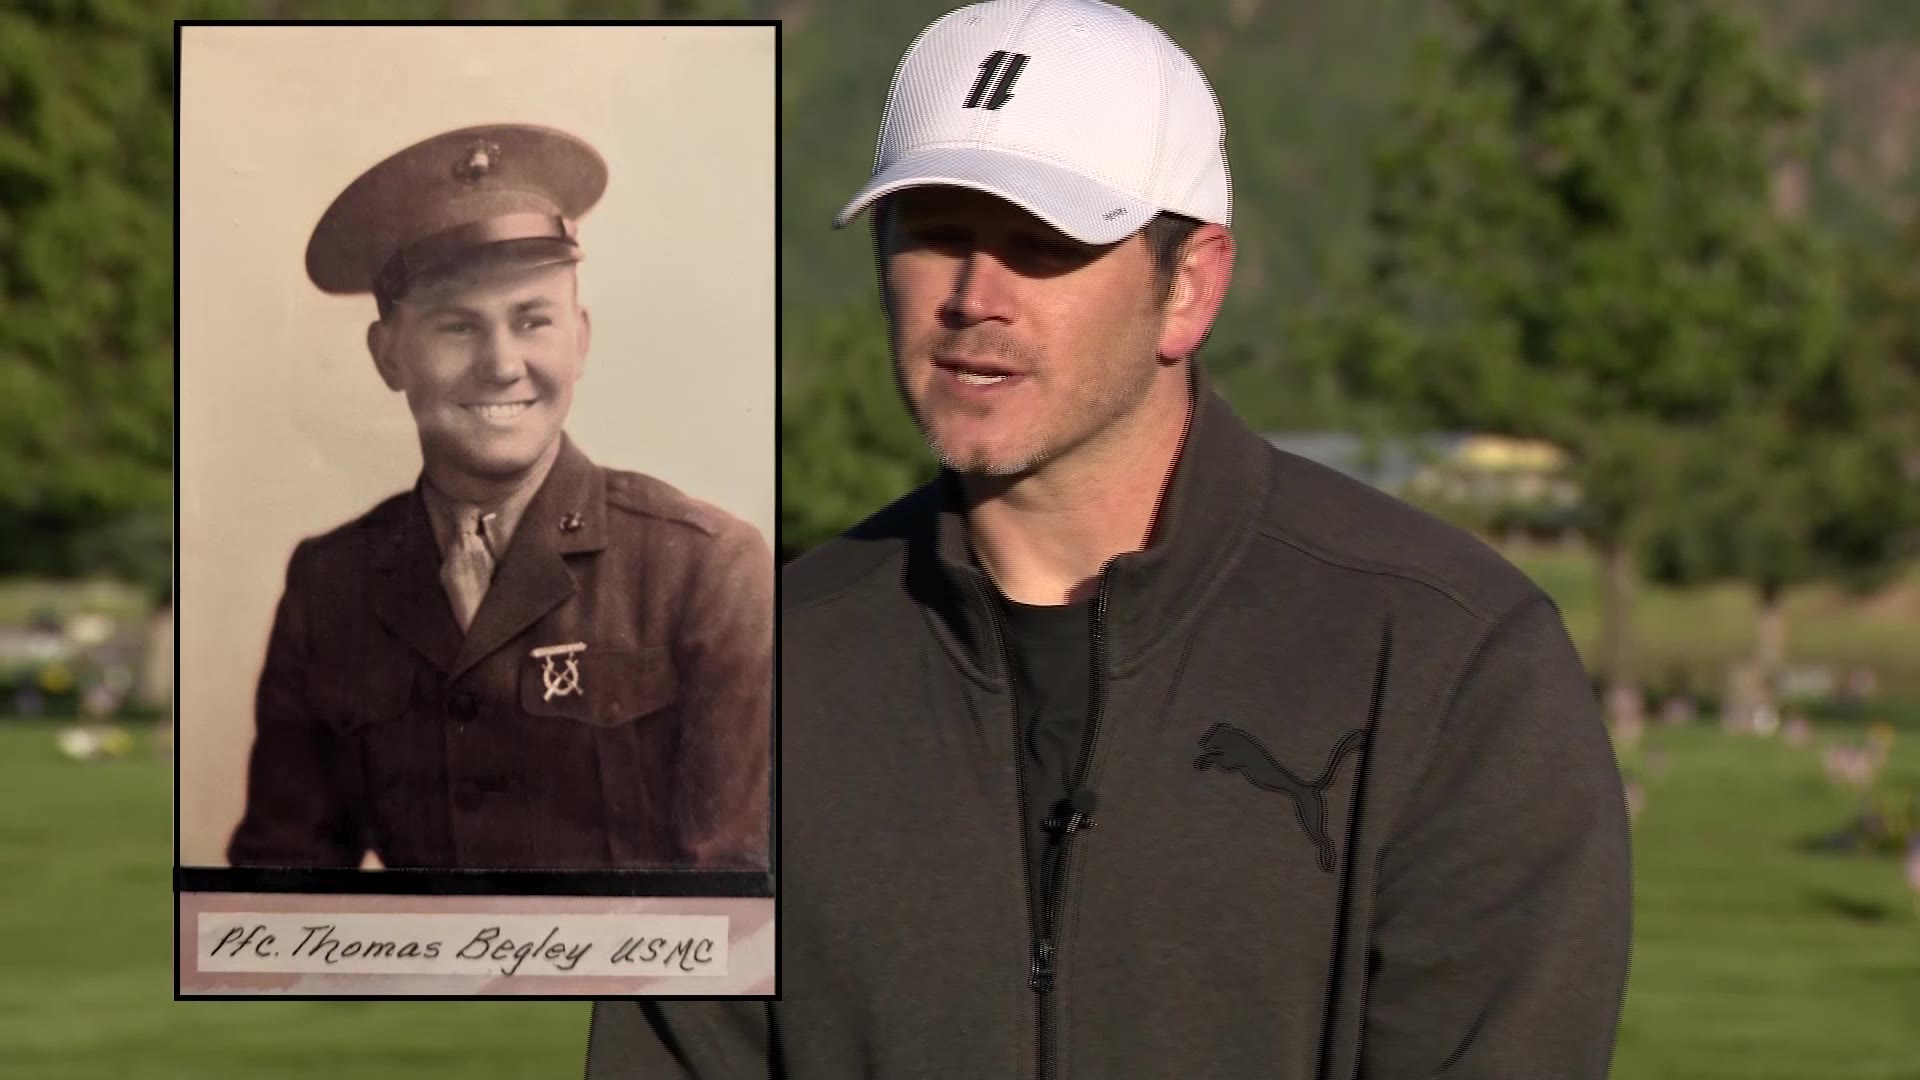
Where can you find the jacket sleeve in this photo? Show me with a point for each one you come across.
(681, 1040)
(724, 650)
(294, 815)
(1502, 919)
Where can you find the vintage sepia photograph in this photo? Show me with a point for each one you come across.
(477, 376)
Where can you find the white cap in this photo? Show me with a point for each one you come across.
(1078, 112)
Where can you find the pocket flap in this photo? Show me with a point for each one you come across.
(604, 688)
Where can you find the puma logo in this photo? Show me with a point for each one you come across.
(1233, 750)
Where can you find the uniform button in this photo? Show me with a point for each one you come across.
(463, 707)
(467, 795)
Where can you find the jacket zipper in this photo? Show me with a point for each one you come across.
(1043, 919)
(1035, 965)
(1081, 803)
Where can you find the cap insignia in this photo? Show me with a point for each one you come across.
(481, 157)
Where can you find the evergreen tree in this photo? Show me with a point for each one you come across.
(86, 292)
(1574, 241)
(1820, 482)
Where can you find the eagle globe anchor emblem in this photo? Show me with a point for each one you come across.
(481, 158)
(558, 679)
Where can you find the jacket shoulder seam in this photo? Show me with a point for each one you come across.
(686, 521)
(626, 492)
(1368, 566)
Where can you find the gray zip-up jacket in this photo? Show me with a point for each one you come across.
(1349, 811)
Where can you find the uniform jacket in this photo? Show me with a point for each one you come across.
(1354, 812)
(380, 726)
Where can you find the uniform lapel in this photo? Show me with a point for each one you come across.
(567, 516)
(408, 597)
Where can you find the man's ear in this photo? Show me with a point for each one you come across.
(1198, 288)
(380, 346)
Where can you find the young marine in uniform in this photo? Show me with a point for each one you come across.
(528, 661)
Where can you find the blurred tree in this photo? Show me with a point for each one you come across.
(1772, 505)
(1574, 241)
(1886, 311)
(86, 298)
(848, 446)
(1821, 484)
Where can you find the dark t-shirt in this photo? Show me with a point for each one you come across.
(1053, 685)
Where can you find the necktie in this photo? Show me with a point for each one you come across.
(469, 566)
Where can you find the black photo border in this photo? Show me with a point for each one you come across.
(621, 883)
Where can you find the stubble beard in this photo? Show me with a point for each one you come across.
(1120, 380)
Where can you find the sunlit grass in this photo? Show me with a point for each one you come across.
(1753, 956)
(86, 930)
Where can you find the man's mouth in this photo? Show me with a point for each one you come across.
(506, 410)
(982, 372)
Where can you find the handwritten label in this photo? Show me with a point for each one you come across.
(514, 946)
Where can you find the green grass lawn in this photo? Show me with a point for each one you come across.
(1753, 957)
(86, 930)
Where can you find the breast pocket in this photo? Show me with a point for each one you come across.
(601, 689)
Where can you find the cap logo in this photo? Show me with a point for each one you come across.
(480, 159)
(995, 83)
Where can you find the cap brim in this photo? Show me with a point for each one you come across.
(503, 259)
(1088, 211)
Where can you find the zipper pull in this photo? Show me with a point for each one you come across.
(1072, 814)
(1081, 805)
(1040, 972)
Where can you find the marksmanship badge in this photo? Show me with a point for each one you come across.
(559, 681)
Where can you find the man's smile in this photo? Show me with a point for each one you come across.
(498, 411)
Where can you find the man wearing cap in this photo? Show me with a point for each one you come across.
(1133, 747)
(527, 661)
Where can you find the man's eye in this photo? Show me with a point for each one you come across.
(938, 238)
(1049, 248)
(456, 328)
(534, 322)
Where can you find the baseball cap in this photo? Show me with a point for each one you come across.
(1078, 112)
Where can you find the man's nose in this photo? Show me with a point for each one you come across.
(499, 359)
(981, 291)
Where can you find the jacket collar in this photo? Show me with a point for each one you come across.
(567, 516)
(1216, 493)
